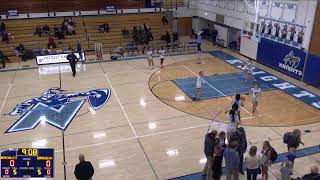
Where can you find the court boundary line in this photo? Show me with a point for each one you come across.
(133, 130)
(5, 99)
(217, 90)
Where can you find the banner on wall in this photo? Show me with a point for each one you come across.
(98, 49)
(281, 57)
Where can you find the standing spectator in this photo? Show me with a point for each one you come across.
(313, 175)
(291, 156)
(19, 51)
(209, 144)
(79, 50)
(284, 32)
(218, 155)
(2, 28)
(199, 42)
(162, 53)
(242, 148)
(72, 60)
(214, 36)
(168, 38)
(300, 36)
(102, 28)
(164, 20)
(84, 169)
(232, 161)
(286, 170)
(252, 163)
(294, 139)
(3, 59)
(70, 30)
(266, 151)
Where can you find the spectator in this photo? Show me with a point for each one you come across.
(294, 139)
(232, 161)
(125, 32)
(102, 28)
(214, 36)
(38, 31)
(3, 59)
(266, 151)
(70, 30)
(165, 20)
(79, 50)
(199, 42)
(84, 169)
(300, 36)
(20, 51)
(56, 30)
(51, 43)
(240, 132)
(175, 37)
(286, 170)
(168, 38)
(252, 163)
(291, 156)
(209, 144)
(313, 175)
(2, 28)
(218, 155)
(46, 29)
(106, 27)
(5, 37)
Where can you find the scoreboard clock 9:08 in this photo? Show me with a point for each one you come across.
(27, 163)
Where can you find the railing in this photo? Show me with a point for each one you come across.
(34, 6)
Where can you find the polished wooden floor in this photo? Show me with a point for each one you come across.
(137, 136)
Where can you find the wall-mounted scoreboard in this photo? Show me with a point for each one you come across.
(27, 163)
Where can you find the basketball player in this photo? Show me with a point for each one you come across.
(150, 58)
(239, 101)
(200, 80)
(161, 52)
(248, 71)
(255, 94)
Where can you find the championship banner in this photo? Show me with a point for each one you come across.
(98, 49)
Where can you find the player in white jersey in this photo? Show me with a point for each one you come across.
(255, 94)
(248, 71)
(199, 82)
(161, 52)
(150, 58)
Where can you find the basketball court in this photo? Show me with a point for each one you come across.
(150, 128)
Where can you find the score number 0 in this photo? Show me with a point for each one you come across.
(48, 171)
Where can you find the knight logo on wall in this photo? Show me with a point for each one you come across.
(290, 63)
(55, 107)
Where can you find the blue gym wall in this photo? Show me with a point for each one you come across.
(271, 53)
(312, 71)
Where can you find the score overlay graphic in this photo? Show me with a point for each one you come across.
(27, 163)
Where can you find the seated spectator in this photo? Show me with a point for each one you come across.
(3, 59)
(165, 20)
(38, 31)
(102, 28)
(71, 30)
(120, 51)
(46, 29)
(19, 51)
(55, 30)
(313, 175)
(125, 32)
(51, 43)
(2, 28)
(106, 27)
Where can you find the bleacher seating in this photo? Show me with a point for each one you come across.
(86, 31)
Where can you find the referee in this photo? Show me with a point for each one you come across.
(72, 60)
